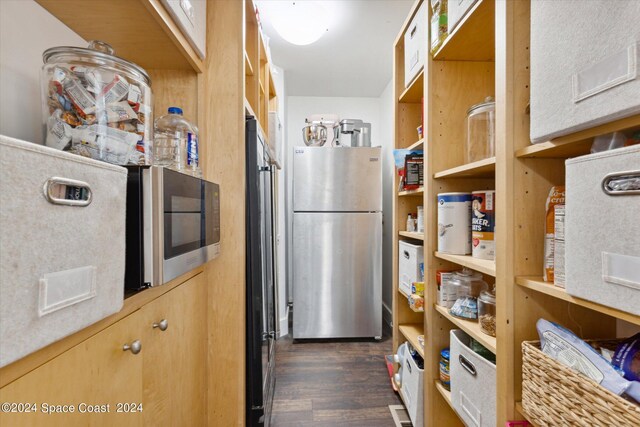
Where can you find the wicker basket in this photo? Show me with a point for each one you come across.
(555, 395)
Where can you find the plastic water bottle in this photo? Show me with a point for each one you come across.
(175, 143)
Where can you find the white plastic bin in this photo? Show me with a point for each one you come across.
(409, 259)
(412, 389)
(602, 230)
(415, 43)
(473, 383)
(456, 11)
(63, 251)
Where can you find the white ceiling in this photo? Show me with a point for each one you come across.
(352, 59)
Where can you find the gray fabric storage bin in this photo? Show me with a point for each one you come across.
(602, 231)
(62, 266)
(473, 383)
(585, 65)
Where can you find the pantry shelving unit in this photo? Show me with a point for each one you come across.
(487, 54)
(412, 235)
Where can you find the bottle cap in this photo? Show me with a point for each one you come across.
(175, 110)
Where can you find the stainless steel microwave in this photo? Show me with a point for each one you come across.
(173, 225)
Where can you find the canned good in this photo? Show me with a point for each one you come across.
(454, 223)
(96, 104)
(445, 378)
(483, 224)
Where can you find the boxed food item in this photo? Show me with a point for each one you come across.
(416, 302)
(556, 197)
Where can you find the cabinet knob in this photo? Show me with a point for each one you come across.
(135, 347)
(162, 325)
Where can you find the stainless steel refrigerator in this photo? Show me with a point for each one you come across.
(337, 242)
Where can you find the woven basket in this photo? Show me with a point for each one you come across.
(555, 395)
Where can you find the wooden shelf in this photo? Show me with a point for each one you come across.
(412, 235)
(471, 327)
(576, 144)
(446, 394)
(411, 332)
(248, 68)
(485, 168)
(481, 265)
(417, 192)
(537, 284)
(520, 409)
(415, 91)
(261, 87)
(473, 39)
(402, 293)
(272, 87)
(418, 145)
(140, 31)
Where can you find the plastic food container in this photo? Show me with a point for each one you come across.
(480, 131)
(96, 104)
(487, 312)
(469, 286)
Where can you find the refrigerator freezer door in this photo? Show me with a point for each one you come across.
(337, 179)
(337, 275)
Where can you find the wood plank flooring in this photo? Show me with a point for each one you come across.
(332, 383)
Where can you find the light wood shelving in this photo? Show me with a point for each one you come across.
(411, 333)
(537, 284)
(446, 394)
(248, 68)
(412, 235)
(416, 192)
(485, 168)
(471, 327)
(418, 145)
(414, 92)
(482, 265)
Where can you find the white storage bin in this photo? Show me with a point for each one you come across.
(584, 65)
(191, 17)
(410, 257)
(457, 9)
(62, 266)
(275, 135)
(415, 44)
(412, 389)
(473, 383)
(602, 231)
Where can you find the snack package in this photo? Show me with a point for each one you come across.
(417, 288)
(556, 197)
(627, 358)
(565, 347)
(416, 302)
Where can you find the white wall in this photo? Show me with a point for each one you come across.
(26, 31)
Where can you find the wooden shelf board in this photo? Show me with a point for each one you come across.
(248, 68)
(412, 235)
(272, 87)
(411, 332)
(261, 87)
(418, 145)
(415, 91)
(520, 409)
(446, 394)
(485, 168)
(578, 143)
(481, 265)
(537, 284)
(140, 31)
(473, 39)
(418, 192)
(471, 327)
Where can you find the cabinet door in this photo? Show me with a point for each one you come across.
(96, 372)
(174, 367)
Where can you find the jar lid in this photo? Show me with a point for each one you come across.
(445, 353)
(488, 296)
(488, 105)
(99, 52)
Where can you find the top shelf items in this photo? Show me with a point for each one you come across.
(158, 43)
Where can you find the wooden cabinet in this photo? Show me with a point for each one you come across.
(167, 377)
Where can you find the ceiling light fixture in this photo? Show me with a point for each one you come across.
(298, 22)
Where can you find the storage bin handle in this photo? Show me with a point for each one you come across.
(406, 254)
(466, 364)
(613, 190)
(74, 193)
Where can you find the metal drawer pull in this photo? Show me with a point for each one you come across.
(64, 191)
(466, 364)
(162, 325)
(135, 347)
(621, 183)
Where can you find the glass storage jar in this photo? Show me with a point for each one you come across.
(96, 104)
(469, 286)
(480, 131)
(487, 312)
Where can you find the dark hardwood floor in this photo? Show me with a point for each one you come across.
(332, 383)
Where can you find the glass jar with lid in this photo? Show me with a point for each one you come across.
(469, 286)
(487, 312)
(96, 104)
(480, 131)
